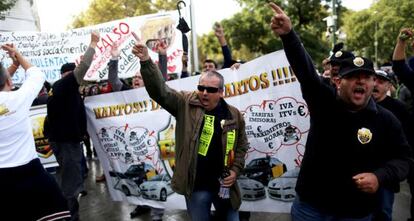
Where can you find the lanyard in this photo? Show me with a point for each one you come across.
(231, 136)
(206, 134)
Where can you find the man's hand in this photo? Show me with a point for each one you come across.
(366, 182)
(219, 32)
(115, 51)
(404, 35)
(94, 39)
(235, 66)
(12, 52)
(161, 47)
(17, 58)
(230, 180)
(140, 50)
(280, 23)
(399, 50)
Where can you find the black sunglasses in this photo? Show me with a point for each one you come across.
(201, 88)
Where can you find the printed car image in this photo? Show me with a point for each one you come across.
(251, 189)
(157, 188)
(283, 187)
(129, 182)
(264, 169)
(140, 173)
(123, 184)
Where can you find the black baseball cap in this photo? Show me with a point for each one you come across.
(383, 74)
(338, 56)
(357, 64)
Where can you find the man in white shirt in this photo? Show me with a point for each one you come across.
(25, 185)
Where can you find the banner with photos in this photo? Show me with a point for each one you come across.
(135, 139)
(49, 51)
(43, 149)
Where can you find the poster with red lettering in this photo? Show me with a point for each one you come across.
(49, 51)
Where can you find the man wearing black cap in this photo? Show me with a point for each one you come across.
(382, 87)
(66, 126)
(354, 146)
(335, 61)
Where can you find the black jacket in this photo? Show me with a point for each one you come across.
(66, 111)
(334, 150)
(406, 76)
(400, 110)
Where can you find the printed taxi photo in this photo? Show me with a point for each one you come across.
(283, 188)
(157, 188)
(124, 184)
(251, 189)
(264, 169)
(135, 175)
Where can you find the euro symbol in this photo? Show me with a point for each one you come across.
(259, 128)
(300, 110)
(271, 106)
(271, 145)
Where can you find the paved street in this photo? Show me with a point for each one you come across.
(97, 205)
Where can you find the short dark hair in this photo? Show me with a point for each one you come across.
(214, 74)
(3, 76)
(211, 61)
(67, 67)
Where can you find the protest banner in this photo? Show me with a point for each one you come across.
(43, 149)
(134, 137)
(49, 51)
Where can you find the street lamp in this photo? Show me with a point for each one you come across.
(331, 24)
(331, 28)
(376, 41)
(376, 45)
(334, 16)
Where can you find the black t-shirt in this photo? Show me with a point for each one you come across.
(66, 111)
(210, 167)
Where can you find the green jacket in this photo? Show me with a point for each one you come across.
(189, 113)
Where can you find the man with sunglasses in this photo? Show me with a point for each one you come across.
(210, 141)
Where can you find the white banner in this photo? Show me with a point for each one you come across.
(49, 51)
(135, 138)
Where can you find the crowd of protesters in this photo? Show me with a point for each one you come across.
(370, 120)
